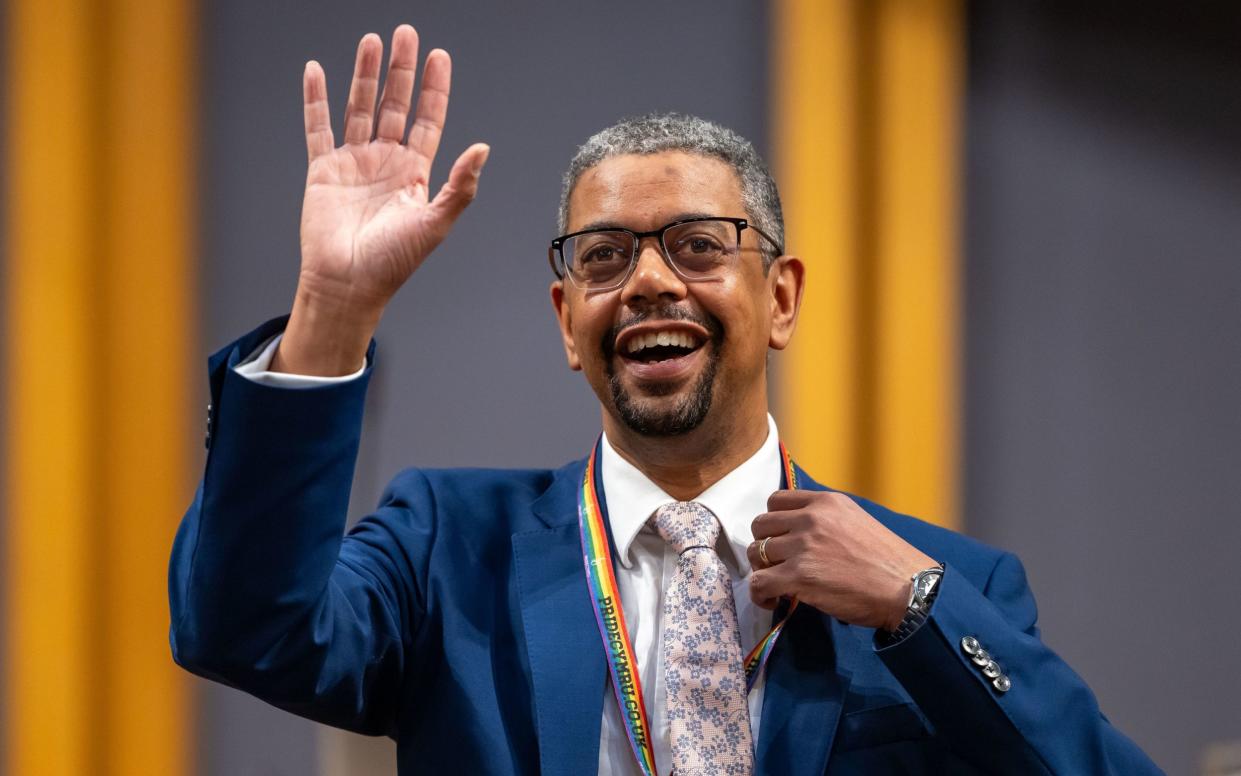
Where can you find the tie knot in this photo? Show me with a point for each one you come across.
(686, 524)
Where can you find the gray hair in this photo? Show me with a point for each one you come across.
(657, 132)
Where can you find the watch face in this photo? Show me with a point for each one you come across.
(926, 582)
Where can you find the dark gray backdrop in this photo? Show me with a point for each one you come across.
(1103, 379)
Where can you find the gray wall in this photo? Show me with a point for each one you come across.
(1103, 370)
(470, 369)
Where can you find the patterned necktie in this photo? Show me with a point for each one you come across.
(707, 707)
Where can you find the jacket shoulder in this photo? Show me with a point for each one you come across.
(443, 489)
(480, 498)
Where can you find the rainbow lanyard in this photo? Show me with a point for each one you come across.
(605, 597)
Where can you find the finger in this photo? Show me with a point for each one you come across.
(360, 112)
(789, 499)
(432, 110)
(778, 550)
(775, 524)
(462, 184)
(751, 554)
(767, 586)
(398, 85)
(319, 138)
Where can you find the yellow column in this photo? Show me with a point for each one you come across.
(50, 495)
(917, 331)
(97, 325)
(814, 160)
(866, 129)
(148, 357)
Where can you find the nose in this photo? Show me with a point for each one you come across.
(652, 278)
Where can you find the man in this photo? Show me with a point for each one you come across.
(684, 599)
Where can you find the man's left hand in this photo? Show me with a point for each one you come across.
(826, 551)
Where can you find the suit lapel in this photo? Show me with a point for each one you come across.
(802, 698)
(567, 663)
(804, 690)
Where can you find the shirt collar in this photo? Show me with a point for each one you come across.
(736, 498)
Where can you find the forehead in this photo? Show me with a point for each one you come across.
(643, 192)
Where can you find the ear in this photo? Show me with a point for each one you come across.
(788, 280)
(564, 317)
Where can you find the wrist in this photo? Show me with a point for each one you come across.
(911, 595)
(325, 338)
(898, 612)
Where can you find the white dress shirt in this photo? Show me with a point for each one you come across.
(644, 571)
(645, 565)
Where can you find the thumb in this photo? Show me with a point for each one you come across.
(462, 185)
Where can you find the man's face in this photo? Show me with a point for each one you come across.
(664, 355)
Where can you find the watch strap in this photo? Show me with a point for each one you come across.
(914, 617)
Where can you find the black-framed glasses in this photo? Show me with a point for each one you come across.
(695, 248)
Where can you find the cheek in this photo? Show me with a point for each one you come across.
(587, 331)
(752, 347)
(746, 322)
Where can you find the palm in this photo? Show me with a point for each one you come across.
(364, 216)
(367, 220)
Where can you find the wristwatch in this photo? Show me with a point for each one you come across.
(923, 587)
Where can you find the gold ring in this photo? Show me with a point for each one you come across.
(762, 550)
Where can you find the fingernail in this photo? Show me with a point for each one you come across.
(482, 159)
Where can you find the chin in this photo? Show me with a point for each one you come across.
(664, 412)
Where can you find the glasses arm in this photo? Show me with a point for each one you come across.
(552, 250)
(779, 248)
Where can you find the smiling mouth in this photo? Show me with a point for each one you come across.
(655, 347)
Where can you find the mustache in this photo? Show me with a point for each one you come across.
(715, 329)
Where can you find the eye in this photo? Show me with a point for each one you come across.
(599, 253)
(701, 244)
(696, 244)
(598, 256)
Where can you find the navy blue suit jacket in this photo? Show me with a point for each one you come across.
(456, 619)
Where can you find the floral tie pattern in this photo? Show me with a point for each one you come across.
(707, 708)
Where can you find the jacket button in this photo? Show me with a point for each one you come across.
(970, 645)
(981, 657)
(992, 670)
(1001, 683)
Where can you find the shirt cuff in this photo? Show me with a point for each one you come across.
(257, 368)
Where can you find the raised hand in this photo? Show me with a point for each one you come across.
(367, 218)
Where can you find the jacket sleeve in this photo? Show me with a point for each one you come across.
(1047, 721)
(266, 594)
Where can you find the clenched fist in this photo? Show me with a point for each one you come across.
(367, 218)
(826, 551)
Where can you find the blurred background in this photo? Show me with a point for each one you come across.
(1021, 222)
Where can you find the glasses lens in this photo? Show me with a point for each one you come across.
(598, 258)
(702, 249)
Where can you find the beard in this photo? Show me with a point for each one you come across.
(650, 418)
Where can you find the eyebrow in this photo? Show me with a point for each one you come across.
(614, 225)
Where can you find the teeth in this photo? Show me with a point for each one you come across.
(665, 338)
